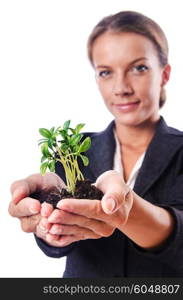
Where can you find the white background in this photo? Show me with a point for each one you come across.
(45, 79)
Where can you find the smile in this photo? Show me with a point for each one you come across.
(127, 107)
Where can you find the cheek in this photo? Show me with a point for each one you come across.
(148, 89)
(154, 90)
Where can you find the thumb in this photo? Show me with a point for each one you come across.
(112, 201)
(115, 191)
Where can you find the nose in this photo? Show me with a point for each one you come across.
(122, 86)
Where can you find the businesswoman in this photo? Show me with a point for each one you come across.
(137, 228)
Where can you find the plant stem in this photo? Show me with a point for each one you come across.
(71, 168)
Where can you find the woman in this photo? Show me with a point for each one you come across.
(134, 233)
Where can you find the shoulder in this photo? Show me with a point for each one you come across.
(107, 132)
(164, 130)
(174, 131)
(167, 142)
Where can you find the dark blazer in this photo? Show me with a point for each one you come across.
(160, 181)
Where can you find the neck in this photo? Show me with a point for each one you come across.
(136, 137)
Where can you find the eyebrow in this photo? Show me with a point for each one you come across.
(133, 62)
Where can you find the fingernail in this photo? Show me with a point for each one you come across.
(43, 211)
(43, 228)
(34, 210)
(53, 230)
(59, 205)
(110, 204)
(51, 219)
(15, 194)
(63, 205)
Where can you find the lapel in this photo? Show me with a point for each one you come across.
(164, 145)
(101, 153)
(159, 154)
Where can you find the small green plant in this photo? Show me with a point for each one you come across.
(65, 145)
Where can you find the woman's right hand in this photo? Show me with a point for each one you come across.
(30, 212)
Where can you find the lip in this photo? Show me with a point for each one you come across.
(127, 106)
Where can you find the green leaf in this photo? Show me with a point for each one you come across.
(51, 166)
(54, 135)
(68, 143)
(68, 139)
(52, 130)
(85, 160)
(43, 168)
(66, 125)
(75, 148)
(85, 145)
(79, 127)
(64, 147)
(43, 158)
(45, 151)
(42, 141)
(51, 143)
(63, 133)
(75, 139)
(45, 132)
(73, 131)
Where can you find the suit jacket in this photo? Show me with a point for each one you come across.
(160, 181)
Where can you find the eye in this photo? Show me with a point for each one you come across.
(104, 73)
(140, 68)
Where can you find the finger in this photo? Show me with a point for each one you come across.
(25, 207)
(64, 218)
(108, 179)
(44, 226)
(56, 240)
(46, 209)
(51, 179)
(84, 233)
(86, 208)
(40, 233)
(83, 207)
(22, 188)
(126, 206)
(112, 201)
(114, 189)
(28, 224)
(19, 189)
(61, 241)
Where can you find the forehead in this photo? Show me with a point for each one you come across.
(127, 46)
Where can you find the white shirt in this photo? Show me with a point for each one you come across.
(117, 165)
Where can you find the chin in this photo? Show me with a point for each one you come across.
(128, 120)
(138, 117)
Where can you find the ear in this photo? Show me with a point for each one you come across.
(165, 75)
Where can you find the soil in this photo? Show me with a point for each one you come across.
(84, 190)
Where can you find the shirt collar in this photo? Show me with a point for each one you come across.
(118, 166)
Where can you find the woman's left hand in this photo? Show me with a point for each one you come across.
(78, 219)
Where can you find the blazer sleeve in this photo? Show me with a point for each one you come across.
(171, 251)
(51, 251)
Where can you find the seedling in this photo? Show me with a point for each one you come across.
(64, 145)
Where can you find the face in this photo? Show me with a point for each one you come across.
(129, 76)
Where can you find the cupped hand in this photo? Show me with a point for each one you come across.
(25, 208)
(79, 219)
